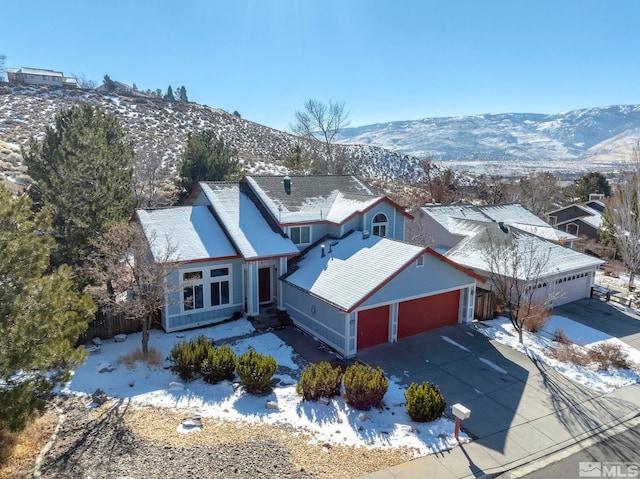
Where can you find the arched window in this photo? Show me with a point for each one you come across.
(572, 229)
(379, 225)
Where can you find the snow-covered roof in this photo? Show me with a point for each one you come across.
(511, 214)
(248, 229)
(189, 232)
(40, 71)
(313, 198)
(591, 216)
(471, 252)
(353, 269)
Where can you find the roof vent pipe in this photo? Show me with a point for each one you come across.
(287, 184)
(365, 234)
(322, 251)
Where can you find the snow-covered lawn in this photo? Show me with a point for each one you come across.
(538, 346)
(334, 423)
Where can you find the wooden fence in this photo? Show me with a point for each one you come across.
(106, 326)
(485, 305)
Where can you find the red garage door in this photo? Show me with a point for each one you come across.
(423, 314)
(373, 327)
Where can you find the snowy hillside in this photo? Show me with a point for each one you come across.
(594, 138)
(159, 130)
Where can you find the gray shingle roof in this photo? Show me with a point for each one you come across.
(471, 252)
(313, 198)
(353, 269)
(514, 214)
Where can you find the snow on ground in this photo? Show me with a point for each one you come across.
(334, 423)
(455, 343)
(538, 345)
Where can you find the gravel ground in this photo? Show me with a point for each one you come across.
(117, 441)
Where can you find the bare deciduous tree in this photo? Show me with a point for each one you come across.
(84, 82)
(440, 184)
(135, 271)
(321, 123)
(517, 262)
(153, 182)
(623, 211)
(538, 191)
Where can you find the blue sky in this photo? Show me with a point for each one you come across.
(387, 60)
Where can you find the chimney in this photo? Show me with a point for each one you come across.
(287, 184)
(322, 251)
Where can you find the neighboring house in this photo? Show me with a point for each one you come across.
(583, 219)
(460, 233)
(323, 248)
(435, 225)
(119, 87)
(39, 76)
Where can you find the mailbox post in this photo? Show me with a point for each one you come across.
(460, 412)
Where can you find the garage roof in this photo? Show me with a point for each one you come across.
(352, 268)
(470, 252)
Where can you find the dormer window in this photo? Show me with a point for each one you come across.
(379, 225)
(300, 235)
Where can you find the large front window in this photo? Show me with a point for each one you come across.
(192, 293)
(300, 234)
(219, 286)
(206, 288)
(380, 225)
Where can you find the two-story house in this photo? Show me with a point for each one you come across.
(324, 248)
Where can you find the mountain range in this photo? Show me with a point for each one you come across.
(599, 138)
(573, 142)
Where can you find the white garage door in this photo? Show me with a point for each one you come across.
(572, 287)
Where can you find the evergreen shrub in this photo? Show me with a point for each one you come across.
(364, 386)
(319, 380)
(255, 371)
(187, 356)
(425, 402)
(219, 364)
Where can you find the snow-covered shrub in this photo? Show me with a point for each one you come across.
(607, 355)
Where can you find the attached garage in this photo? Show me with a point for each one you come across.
(573, 287)
(424, 314)
(367, 290)
(373, 327)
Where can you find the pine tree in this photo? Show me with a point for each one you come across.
(169, 95)
(297, 161)
(591, 182)
(41, 317)
(206, 158)
(83, 168)
(182, 95)
(109, 84)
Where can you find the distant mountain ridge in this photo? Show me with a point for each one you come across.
(600, 137)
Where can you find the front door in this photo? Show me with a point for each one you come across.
(264, 285)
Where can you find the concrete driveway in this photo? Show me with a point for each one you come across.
(519, 407)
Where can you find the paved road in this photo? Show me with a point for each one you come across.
(608, 456)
